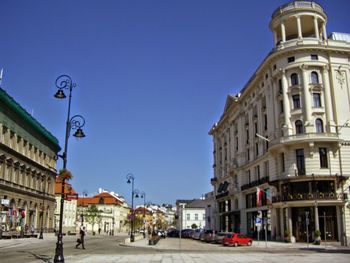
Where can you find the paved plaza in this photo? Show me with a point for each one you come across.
(169, 250)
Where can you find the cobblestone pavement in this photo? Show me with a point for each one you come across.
(170, 250)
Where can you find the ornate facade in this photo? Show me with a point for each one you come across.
(27, 169)
(282, 145)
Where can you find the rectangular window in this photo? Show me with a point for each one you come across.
(323, 158)
(256, 127)
(195, 216)
(247, 136)
(266, 168)
(283, 168)
(316, 100)
(188, 216)
(300, 161)
(291, 59)
(203, 216)
(314, 57)
(256, 149)
(257, 172)
(248, 175)
(236, 143)
(296, 101)
(281, 105)
(265, 122)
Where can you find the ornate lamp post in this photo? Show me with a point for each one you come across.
(74, 123)
(130, 179)
(143, 195)
(42, 217)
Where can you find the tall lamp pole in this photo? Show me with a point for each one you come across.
(42, 216)
(74, 123)
(143, 195)
(130, 179)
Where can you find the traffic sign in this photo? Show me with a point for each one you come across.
(258, 221)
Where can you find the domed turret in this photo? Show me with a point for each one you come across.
(297, 21)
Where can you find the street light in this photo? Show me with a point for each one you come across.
(130, 179)
(42, 216)
(74, 123)
(143, 195)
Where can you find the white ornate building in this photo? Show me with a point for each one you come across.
(282, 145)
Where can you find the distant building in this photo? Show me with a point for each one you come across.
(69, 223)
(210, 211)
(190, 213)
(282, 145)
(113, 212)
(28, 155)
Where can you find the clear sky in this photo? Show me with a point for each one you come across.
(152, 77)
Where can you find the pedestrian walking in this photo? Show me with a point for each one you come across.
(80, 240)
(32, 230)
(99, 231)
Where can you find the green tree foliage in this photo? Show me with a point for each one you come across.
(194, 226)
(93, 215)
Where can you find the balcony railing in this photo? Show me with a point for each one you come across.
(289, 197)
(296, 4)
(303, 137)
(255, 183)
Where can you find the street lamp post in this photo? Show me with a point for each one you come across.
(143, 195)
(42, 216)
(75, 123)
(130, 179)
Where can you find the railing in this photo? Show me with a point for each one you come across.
(288, 197)
(303, 137)
(297, 4)
(255, 183)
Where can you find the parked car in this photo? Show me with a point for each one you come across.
(219, 236)
(173, 233)
(186, 233)
(208, 236)
(161, 233)
(236, 239)
(196, 234)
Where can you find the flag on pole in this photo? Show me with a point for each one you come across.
(259, 196)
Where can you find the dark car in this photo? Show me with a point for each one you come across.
(219, 236)
(173, 233)
(236, 239)
(208, 236)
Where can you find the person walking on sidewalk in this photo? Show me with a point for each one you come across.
(80, 240)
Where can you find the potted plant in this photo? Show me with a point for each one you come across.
(317, 240)
(286, 236)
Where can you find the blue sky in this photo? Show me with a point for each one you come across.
(152, 77)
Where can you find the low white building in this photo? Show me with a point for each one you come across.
(190, 213)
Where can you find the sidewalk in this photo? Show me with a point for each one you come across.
(174, 244)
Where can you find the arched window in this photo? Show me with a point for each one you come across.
(294, 79)
(299, 127)
(319, 126)
(314, 77)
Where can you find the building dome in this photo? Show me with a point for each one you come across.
(298, 20)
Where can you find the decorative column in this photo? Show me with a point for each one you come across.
(324, 32)
(300, 34)
(317, 224)
(286, 107)
(307, 99)
(283, 32)
(327, 99)
(282, 222)
(289, 221)
(317, 34)
(276, 113)
(275, 37)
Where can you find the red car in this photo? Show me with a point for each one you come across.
(236, 239)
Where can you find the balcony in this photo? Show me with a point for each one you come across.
(255, 183)
(297, 5)
(289, 197)
(303, 137)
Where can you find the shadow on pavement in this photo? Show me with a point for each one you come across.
(325, 250)
(44, 258)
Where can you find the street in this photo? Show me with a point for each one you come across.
(105, 248)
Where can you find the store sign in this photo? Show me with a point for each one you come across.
(258, 222)
(5, 201)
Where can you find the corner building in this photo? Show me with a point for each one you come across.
(282, 145)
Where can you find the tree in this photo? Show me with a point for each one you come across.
(194, 226)
(93, 215)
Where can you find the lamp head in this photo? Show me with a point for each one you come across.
(60, 94)
(79, 133)
(128, 181)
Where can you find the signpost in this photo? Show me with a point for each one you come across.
(258, 226)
